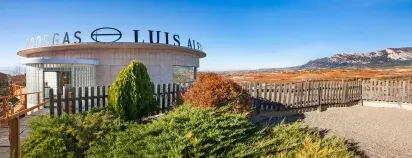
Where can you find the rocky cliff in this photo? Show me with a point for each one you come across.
(384, 58)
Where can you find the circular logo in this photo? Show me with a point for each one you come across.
(106, 34)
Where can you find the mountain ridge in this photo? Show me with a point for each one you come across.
(388, 57)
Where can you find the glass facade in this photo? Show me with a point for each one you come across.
(56, 76)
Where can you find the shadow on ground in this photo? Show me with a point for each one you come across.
(268, 121)
(264, 120)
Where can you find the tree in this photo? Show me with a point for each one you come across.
(132, 94)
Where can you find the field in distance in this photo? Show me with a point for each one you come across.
(287, 76)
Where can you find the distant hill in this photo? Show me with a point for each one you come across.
(3, 77)
(385, 58)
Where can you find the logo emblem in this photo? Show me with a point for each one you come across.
(106, 34)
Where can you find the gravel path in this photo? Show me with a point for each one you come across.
(379, 132)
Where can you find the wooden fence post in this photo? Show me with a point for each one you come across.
(51, 102)
(362, 90)
(408, 88)
(345, 92)
(257, 105)
(168, 97)
(73, 103)
(14, 134)
(59, 103)
(104, 96)
(158, 99)
(400, 94)
(66, 100)
(92, 97)
(173, 94)
(38, 100)
(319, 97)
(178, 97)
(264, 95)
(98, 96)
(80, 99)
(4, 113)
(163, 98)
(86, 98)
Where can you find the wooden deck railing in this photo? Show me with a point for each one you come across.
(17, 89)
(8, 109)
(13, 118)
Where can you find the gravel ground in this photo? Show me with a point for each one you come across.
(379, 132)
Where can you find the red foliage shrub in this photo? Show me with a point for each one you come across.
(211, 90)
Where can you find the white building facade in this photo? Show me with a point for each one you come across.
(98, 64)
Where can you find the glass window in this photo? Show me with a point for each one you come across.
(183, 74)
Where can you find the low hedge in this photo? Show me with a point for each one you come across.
(205, 132)
(69, 136)
(184, 132)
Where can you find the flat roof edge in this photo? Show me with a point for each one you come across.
(95, 45)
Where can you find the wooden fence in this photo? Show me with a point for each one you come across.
(13, 119)
(277, 97)
(281, 97)
(7, 108)
(80, 99)
(265, 96)
(387, 90)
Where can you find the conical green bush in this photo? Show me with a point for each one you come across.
(131, 95)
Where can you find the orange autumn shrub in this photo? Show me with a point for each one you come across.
(211, 90)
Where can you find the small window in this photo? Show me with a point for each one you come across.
(183, 74)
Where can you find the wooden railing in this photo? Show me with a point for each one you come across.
(280, 97)
(17, 89)
(80, 99)
(8, 109)
(387, 90)
(13, 118)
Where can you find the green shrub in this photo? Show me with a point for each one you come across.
(204, 132)
(68, 136)
(132, 94)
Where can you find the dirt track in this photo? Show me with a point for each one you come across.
(380, 132)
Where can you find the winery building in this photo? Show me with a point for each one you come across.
(98, 63)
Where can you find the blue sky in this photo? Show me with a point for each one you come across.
(235, 34)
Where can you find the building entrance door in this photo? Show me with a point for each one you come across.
(63, 80)
(57, 80)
